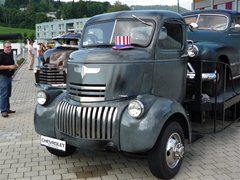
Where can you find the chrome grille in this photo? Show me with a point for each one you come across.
(86, 122)
(88, 92)
(51, 75)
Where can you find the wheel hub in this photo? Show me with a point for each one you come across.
(174, 150)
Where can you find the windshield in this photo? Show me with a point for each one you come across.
(214, 22)
(105, 33)
(67, 42)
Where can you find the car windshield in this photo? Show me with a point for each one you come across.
(105, 33)
(213, 22)
(67, 40)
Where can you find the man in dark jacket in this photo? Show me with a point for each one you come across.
(7, 67)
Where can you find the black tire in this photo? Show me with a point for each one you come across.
(69, 150)
(165, 163)
(209, 87)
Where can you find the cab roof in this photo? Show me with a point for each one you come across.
(212, 11)
(148, 14)
(68, 36)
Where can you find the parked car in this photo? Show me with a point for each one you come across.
(53, 72)
(218, 40)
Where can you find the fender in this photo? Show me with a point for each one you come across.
(212, 51)
(144, 132)
(44, 116)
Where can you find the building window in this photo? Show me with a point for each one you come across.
(229, 5)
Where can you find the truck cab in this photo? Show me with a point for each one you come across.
(125, 91)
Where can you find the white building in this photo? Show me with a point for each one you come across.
(216, 4)
(48, 30)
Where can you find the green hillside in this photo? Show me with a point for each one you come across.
(4, 30)
(26, 33)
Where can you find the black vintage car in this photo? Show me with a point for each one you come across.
(53, 72)
(218, 41)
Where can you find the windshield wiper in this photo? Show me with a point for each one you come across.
(142, 21)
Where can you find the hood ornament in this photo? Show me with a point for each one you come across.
(84, 70)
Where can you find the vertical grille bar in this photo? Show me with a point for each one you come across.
(99, 122)
(94, 118)
(89, 122)
(84, 115)
(78, 122)
(74, 121)
(104, 122)
(114, 120)
(109, 124)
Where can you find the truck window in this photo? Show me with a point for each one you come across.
(170, 36)
(104, 33)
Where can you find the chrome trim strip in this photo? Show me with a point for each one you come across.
(91, 99)
(205, 76)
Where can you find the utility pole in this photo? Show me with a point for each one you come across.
(193, 5)
(212, 4)
(236, 2)
(178, 6)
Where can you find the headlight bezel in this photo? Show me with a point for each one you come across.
(42, 97)
(136, 108)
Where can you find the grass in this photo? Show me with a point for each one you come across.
(6, 30)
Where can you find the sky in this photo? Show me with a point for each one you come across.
(183, 3)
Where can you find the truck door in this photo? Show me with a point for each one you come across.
(169, 78)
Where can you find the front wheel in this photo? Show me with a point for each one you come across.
(69, 150)
(166, 157)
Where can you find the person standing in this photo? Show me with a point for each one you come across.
(7, 67)
(31, 54)
(41, 50)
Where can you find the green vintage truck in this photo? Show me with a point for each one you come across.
(126, 91)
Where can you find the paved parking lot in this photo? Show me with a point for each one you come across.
(215, 156)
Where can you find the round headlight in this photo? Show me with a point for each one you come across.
(135, 108)
(41, 97)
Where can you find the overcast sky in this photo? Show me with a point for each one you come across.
(183, 3)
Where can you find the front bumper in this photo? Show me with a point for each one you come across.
(206, 76)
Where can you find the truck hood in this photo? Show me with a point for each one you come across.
(114, 74)
(58, 56)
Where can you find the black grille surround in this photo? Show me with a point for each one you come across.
(97, 123)
(51, 74)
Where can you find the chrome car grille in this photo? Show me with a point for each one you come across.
(51, 75)
(86, 122)
(87, 92)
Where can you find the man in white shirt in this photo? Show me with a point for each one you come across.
(31, 53)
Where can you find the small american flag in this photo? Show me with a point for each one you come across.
(122, 40)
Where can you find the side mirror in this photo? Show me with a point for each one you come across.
(236, 27)
(193, 27)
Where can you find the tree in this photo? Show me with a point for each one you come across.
(118, 6)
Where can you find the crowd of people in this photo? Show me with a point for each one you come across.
(32, 54)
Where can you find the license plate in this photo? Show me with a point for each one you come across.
(53, 143)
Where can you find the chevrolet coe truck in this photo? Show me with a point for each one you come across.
(126, 88)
